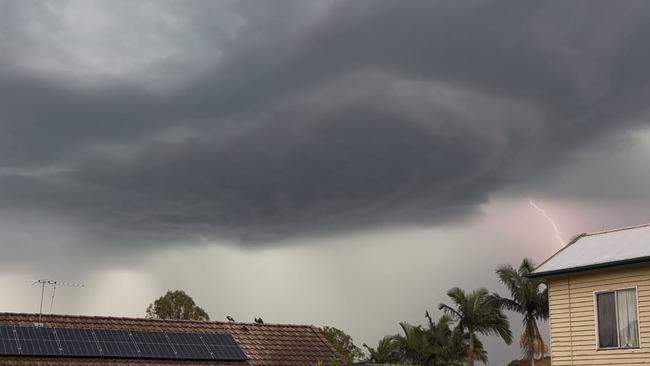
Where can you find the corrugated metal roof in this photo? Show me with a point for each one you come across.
(600, 249)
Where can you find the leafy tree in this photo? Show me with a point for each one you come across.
(343, 344)
(529, 297)
(176, 305)
(477, 313)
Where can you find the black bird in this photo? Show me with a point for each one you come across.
(230, 319)
(259, 321)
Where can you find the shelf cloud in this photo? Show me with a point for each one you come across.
(260, 124)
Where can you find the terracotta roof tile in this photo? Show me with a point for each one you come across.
(264, 344)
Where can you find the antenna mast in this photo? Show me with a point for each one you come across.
(54, 284)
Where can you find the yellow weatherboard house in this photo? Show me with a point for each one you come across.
(599, 298)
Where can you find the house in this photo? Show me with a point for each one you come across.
(90, 340)
(599, 298)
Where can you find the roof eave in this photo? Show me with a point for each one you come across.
(566, 271)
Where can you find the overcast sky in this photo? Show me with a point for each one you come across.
(325, 162)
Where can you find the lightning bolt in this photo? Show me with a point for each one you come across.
(558, 236)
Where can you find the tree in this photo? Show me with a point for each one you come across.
(477, 313)
(386, 351)
(529, 297)
(415, 346)
(343, 344)
(436, 344)
(176, 305)
(453, 344)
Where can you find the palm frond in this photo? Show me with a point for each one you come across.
(449, 311)
(529, 297)
(507, 304)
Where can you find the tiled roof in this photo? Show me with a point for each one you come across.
(264, 344)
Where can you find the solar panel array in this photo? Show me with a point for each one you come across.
(117, 343)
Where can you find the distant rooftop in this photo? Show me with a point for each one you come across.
(263, 344)
(601, 249)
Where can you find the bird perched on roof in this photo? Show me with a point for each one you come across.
(259, 321)
(230, 319)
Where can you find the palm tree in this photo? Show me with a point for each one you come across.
(530, 299)
(477, 313)
(414, 346)
(435, 345)
(449, 345)
(386, 351)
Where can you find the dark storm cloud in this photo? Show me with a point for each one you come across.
(371, 114)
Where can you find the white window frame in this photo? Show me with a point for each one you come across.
(638, 318)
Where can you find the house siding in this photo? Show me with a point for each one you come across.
(572, 317)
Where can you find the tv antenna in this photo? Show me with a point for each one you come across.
(54, 283)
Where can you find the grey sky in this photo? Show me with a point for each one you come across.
(140, 135)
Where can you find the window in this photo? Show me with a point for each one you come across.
(617, 319)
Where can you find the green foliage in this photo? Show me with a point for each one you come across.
(529, 297)
(387, 351)
(437, 344)
(176, 305)
(343, 344)
(477, 312)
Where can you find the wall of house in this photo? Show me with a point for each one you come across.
(573, 324)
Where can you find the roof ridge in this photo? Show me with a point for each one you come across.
(106, 317)
(617, 229)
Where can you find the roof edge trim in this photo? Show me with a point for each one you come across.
(571, 242)
(588, 268)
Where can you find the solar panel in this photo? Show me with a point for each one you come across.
(77, 342)
(84, 342)
(189, 346)
(153, 344)
(37, 341)
(223, 347)
(116, 343)
(227, 353)
(8, 343)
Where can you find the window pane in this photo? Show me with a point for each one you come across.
(607, 330)
(628, 325)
